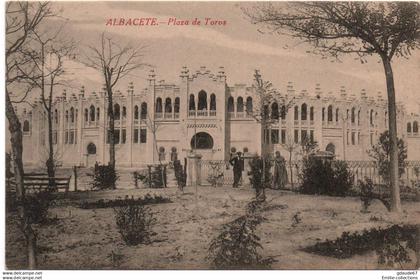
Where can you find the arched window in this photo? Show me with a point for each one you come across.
(249, 107)
(72, 114)
(266, 111)
(67, 116)
(56, 116)
(323, 114)
(353, 115)
(296, 113)
(168, 105)
(92, 113)
(158, 105)
(230, 105)
(311, 114)
(240, 104)
(358, 117)
(283, 112)
(304, 112)
(86, 115)
(98, 114)
(143, 113)
(117, 113)
(336, 114)
(330, 113)
(415, 127)
(202, 140)
(371, 117)
(91, 149)
(136, 112)
(176, 105)
(202, 100)
(191, 103)
(26, 126)
(124, 112)
(275, 111)
(409, 127)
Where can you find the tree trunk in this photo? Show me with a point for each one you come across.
(291, 169)
(111, 130)
(50, 161)
(17, 149)
(392, 119)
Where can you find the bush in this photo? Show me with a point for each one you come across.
(325, 177)
(134, 223)
(36, 207)
(380, 152)
(366, 193)
(236, 247)
(104, 177)
(155, 177)
(259, 167)
(390, 244)
(180, 176)
(147, 199)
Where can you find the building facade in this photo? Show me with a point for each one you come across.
(164, 122)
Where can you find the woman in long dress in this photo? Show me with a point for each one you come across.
(280, 172)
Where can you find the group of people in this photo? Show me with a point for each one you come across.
(279, 179)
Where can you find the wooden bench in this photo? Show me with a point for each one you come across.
(37, 182)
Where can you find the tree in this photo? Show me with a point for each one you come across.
(267, 95)
(47, 53)
(381, 153)
(114, 62)
(22, 19)
(387, 30)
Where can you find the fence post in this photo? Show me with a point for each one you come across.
(75, 178)
(193, 170)
(149, 167)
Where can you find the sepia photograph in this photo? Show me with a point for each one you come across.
(212, 136)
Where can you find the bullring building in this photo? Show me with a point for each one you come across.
(203, 113)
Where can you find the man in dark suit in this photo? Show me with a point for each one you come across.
(238, 164)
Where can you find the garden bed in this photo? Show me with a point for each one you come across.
(119, 202)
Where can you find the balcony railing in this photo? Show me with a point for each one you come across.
(168, 115)
(212, 113)
(158, 115)
(176, 115)
(240, 115)
(202, 113)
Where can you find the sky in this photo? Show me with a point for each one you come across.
(238, 46)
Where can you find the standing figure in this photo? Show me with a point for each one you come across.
(237, 163)
(280, 172)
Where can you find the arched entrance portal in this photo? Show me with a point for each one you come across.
(330, 148)
(91, 154)
(202, 141)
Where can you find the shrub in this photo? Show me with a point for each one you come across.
(155, 177)
(366, 193)
(134, 223)
(139, 176)
(36, 207)
(180, 175)
(147, 199)
(381, 153)
(390, 244)
(259, 167)
(325, 177)
(236, 247)
(104, 177)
